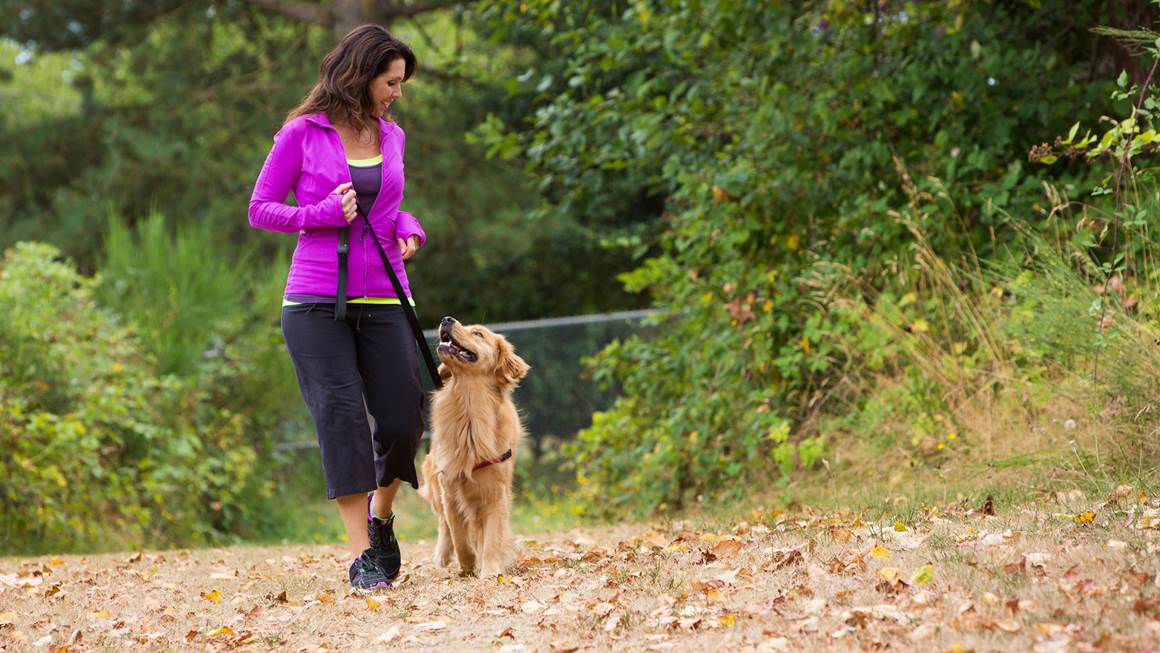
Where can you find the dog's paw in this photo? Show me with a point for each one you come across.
(490, 570)
(441, 559)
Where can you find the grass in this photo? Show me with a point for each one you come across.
(314, 520)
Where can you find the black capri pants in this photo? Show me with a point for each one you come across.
(367, 362)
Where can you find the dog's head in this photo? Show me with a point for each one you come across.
(476, 351)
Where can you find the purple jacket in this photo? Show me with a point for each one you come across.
(308, 157)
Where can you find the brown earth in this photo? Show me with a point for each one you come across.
(1071, 574)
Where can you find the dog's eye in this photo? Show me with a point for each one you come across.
(477, 333)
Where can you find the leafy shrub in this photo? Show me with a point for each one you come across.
(98, 450)
(781, 136)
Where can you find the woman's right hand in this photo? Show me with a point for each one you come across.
(349, 206)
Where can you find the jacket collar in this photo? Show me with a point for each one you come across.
(323, 121)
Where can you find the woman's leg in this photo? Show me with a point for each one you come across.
(325, 361)
(353, 508)
(389, 364)
(385, 498)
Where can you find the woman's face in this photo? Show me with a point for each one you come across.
(388, 86)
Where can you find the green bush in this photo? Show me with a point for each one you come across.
(782, 136)
(98, 450)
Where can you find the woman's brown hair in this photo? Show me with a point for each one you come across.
(343, 88)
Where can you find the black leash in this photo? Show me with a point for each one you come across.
(343, 250)
(407, 308)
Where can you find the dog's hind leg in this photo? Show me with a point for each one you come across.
(443, 546)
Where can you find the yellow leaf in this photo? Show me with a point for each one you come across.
(880, 551)
(920, 325)
(899, 526)
(1085, 518)
(767, 306)
(101, 614)
(952, 436)
(213, 595)
(56, 562)
(889, 573)
(224, 630)
(805, 342)
(373, 604)
(727, 620)
(922, 575)
(502, 580)
(792, 242)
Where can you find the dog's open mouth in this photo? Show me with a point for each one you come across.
(448, 346)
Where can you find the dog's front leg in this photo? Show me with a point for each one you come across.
(457, 528)
(495, 543)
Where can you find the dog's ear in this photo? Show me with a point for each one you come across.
(509, 368)
(444, 371)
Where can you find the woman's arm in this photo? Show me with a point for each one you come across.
(405, 224)
(268, 208)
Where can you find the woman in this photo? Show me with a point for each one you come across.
(352, 348)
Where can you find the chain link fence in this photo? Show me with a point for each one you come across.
(557, 398)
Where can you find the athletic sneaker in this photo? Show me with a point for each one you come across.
(384, 546)
(366, 574)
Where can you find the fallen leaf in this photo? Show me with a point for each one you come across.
(726, 547)
(880, 551)
(889, 573)
(224, 630)
(922, 575)
(390, 635)
(212, 595)
(1009, 625)
(1085, 518)
(612, 622)
(531, 607)
(989, 506)
(430, 626)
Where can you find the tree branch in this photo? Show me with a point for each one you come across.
(391, 10)
(308, 12)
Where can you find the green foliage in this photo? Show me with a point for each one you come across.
(172, 111)
(88, 428)
(178, 297)
(780, 137)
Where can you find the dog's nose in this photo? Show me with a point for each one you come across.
(447, 319)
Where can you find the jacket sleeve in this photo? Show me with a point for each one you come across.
(268, 208)
(405, 224)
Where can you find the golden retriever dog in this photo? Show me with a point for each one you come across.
(475, 431)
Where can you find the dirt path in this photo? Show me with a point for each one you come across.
(1049, 578)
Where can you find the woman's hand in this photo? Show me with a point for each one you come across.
(349, 206)
(409, 247)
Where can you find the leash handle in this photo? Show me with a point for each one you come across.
(409, 310)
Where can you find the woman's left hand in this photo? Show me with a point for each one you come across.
(409, 246)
